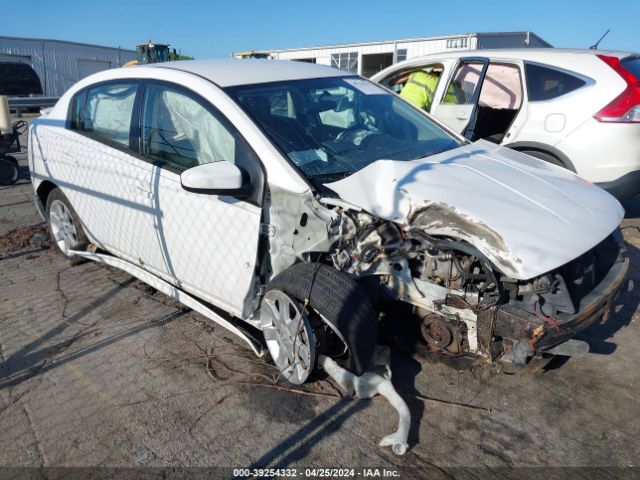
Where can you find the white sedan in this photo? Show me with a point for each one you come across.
(296, 204)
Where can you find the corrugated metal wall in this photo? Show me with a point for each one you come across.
(418, 47)
(510, 40)
(414, 49)
(61, 64)
(453, 44)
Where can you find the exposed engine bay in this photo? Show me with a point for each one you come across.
(464, 305)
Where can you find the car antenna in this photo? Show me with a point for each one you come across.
(595, 45)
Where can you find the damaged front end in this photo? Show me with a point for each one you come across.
(541, 314)
(464, 304)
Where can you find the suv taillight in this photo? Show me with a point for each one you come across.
(625, 108)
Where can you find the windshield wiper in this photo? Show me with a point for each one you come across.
(327, 177)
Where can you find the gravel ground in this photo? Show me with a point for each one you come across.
(99, 370)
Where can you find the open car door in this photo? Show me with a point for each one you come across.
(459, 106)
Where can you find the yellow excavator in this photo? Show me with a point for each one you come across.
(252, 54)
(152, 53)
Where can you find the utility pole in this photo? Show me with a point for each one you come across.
(44, 64)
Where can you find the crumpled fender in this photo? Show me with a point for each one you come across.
(525, 215)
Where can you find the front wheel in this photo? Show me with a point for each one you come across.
(64, 225)
(313, 309)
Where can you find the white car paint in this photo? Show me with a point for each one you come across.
(212, 176)
(493, 186)
(119, 203)
(283, 173)
(526, 216)
(601, 152)
(111, 191)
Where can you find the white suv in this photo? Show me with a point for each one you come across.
(294, 203)
(576, 108)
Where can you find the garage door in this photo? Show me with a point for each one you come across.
(89, 67)
(18, 78)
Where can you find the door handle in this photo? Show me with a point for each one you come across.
(71, 158)
(462, 117)
(142, 191)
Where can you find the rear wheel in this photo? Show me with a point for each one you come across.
(325, 307)
(64, 225)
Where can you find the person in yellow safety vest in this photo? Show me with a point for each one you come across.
(420, 88)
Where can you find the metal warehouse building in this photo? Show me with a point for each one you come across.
(371, 57)
(60, 64)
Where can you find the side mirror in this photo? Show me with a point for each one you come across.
(216, 178)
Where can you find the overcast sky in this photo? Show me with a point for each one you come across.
(207, 29)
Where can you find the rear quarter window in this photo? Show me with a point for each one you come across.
(546, 83)
(104, 112)
(632, 64)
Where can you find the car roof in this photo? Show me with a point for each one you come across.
(233, 72)
(522, 53)
(560, 57)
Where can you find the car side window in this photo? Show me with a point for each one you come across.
(104, 112)
(397, 81)
(502, 87)
(281, 104)
(544, 83)
(181, 132)
(464, 84)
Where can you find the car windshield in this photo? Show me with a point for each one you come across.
(333, 127)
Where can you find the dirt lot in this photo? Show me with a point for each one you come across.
(98, 370)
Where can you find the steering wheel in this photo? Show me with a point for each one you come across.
(350, 135)
(348, 132)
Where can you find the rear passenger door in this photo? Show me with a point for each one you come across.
(554, 107)
(107, 184)
(458, 104)
(206, 244)
(500, 110)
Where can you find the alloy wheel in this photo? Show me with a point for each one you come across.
(289, 336)
(63, 228)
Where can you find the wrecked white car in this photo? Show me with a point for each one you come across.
(296, 204)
